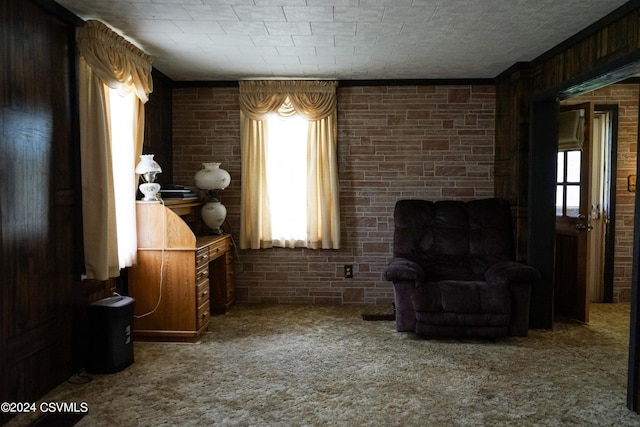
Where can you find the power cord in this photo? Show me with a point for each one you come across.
(164, 244)
(80, 377)
(235, 247)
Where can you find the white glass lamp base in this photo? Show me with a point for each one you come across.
(150, 191)
(213, 214)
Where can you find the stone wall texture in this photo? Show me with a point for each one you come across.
(394, 142)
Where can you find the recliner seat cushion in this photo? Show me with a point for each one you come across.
(463, 297)
(462, 308)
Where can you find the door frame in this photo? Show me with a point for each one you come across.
(541, 186)
(610, 228)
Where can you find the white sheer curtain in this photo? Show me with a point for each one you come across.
(122, 107)
(316, 102)
(287, 166)
(106, 61)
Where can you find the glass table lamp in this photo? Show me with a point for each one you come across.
(211, 178)
(148, 168)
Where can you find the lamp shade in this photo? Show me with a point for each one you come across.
(212, 177)
(147, 164)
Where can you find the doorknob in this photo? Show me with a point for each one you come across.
(584, 227)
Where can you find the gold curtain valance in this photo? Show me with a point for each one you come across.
(115, 61)
(313, 100)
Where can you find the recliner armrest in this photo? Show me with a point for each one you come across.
(511, 271)
(403, 269)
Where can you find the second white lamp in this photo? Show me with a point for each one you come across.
(211, 178)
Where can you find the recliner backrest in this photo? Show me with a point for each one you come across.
(478, 227)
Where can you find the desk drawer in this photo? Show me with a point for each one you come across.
(202, 293)
(202, 273)
(203, 315)
(220, 247)
(202, 257)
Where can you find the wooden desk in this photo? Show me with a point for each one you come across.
(179, 279)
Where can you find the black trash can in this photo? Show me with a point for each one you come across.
(110, 335)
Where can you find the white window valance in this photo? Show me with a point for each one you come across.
(313, 100)
(115, 61)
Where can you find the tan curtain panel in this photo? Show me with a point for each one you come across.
(105, 59)
(315, 101)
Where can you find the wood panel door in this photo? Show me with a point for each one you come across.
(573, 217)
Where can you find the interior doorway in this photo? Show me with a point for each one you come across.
(542, 188)
(585, 207)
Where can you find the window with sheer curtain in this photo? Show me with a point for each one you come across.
(114, 84)
(289, 192)
(286, 158)
(123, 160)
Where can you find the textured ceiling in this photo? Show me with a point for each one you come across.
(342, 39)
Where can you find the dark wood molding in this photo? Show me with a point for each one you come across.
(205, 83)
(417, 82)
(347, 83)
(542, 192)
(60, 12)
(610, 235)
(633, 375)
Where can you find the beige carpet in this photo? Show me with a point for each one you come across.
(294, 365)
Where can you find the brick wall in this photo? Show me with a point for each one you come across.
(433, 142)
(626, 97)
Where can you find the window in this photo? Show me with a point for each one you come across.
(568, 183)
(286, 178)
(289, 193)
(121, 110)
(111, 134)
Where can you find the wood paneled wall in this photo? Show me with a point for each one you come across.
(43, 333)
(158, 126)
(39, 202)
(588, 60)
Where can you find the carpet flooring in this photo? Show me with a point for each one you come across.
(300, 365)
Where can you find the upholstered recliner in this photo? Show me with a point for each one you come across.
(454, 273)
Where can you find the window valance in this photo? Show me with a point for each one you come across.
(118, 63)
(313, 100)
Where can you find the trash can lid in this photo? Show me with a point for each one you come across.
(114, 301)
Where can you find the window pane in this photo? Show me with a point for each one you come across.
(121, 107)
(560, 177)
(287, 178)
(573, 200)
(559, 197)
(573, 166)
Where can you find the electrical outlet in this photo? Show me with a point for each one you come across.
(348, 271)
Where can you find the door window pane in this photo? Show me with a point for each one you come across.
(559, 199)
(573, 200)
(560, 177)
(573, 166)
